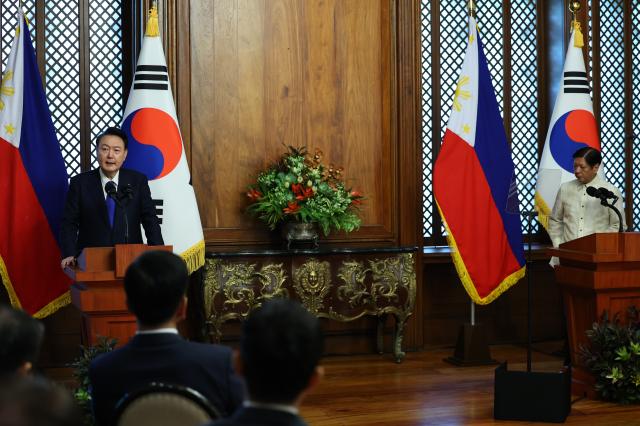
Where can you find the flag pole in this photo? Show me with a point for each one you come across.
(473, 313)
(472, 13)
(578, 40)
(574, 7)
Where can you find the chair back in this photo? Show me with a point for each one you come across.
(161, 404)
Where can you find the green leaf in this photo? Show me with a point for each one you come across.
(623, 354)
(80, 367)
(318, 191)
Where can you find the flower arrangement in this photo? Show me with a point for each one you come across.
(613, 357)
(300, 188)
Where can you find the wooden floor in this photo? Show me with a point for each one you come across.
(424, 390)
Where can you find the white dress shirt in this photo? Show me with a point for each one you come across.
(576, 214)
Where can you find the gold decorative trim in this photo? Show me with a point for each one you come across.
(312, 281)
(376, 287)
(194, 256)
(353, 274)
(230, 291)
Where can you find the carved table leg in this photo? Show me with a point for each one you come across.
(397, 340)
(380, 334)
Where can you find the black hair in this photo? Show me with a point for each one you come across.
(29, 400)
(155, 283)
(20, 339)
(280, 347)
(113, 131)
(591, 155)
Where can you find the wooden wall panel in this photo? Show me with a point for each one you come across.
(446, 307)
(269, 73)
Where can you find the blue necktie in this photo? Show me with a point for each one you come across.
(111, 209)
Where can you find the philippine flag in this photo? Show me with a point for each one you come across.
(156, 149)
(33, 186)
(572, 126)
(475, 187)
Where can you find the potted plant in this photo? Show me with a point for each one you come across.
(613, 357)
(299, 191)
(81, 373)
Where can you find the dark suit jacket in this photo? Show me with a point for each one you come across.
(166, 358)
(250, 416)
(85, 222)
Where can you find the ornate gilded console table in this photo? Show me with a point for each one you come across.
(335, 283)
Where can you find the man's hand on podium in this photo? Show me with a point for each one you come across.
(68, 262)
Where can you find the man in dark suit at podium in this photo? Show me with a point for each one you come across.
(155, 285)
(97, 201)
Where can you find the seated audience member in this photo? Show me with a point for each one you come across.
(280, 348)
(20, 339)
(155, 285)
(27, 400)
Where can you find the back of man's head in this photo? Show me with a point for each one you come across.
(281, 346)
(20, 339)
(155, 283)
(36, 401)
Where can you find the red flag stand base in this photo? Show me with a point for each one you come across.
(472, 347)
(534, 397)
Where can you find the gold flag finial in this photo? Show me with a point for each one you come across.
(472, 9)
(153, 29)
(578, 40)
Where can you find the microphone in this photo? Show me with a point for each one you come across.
(603, 194)
(126, 193)
(606, 193)
(593, 191)
(110, 189)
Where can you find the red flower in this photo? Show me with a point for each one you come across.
(254, 194)
(292, 208)
(356, 197)
(308, 192)
(300, 192)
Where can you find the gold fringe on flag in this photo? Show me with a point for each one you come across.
(543, 211)
(62, 300)
(465, 278)
(153, 29)
(194, 256)
(13, 297)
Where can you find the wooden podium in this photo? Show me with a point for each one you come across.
(597, 273)
(99, 294)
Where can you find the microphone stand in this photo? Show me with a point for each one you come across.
(604, 202)
(514, 391)
(530, 216)
(127, 195)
